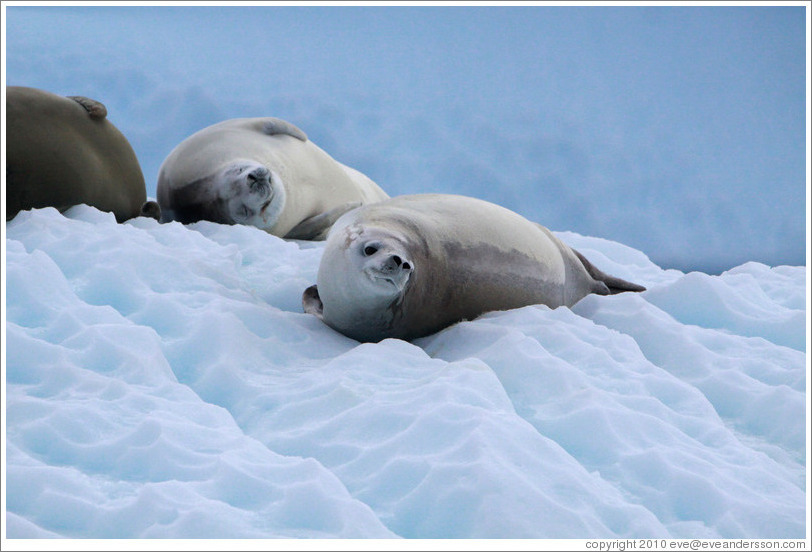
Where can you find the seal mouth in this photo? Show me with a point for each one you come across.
(385, 279)
(387, 268)
(267, 202)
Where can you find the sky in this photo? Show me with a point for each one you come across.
(679, 131)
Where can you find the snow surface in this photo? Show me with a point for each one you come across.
(162, 381)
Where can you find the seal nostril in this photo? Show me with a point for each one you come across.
(397, 260)
(406, 266)
(257, 176)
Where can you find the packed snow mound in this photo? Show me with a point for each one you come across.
(162, 381)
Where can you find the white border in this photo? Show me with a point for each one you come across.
(382, 544)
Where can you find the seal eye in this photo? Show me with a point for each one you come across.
(370, 250)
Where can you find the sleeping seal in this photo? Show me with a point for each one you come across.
(412, 265)
(62, 151)
(262, 172)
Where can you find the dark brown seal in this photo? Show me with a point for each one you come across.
(63, 151)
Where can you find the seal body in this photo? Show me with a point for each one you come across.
(262, 172)
(412, 265)
(63, 151)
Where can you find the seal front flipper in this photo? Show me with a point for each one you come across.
(316, 227)
(273, 126)
(311, 302)
(614, 285)
(95, 109)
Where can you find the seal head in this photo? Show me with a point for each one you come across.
(261, 172)
(371, 270)
(240, 192)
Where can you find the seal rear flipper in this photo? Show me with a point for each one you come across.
(316, 227)
(273, 126)
(151, 209)
(311, 302)
(613, 284)
(95, 109)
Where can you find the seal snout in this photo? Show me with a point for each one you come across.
(387, 265)
(258, 175)
(258, 179)
(394, 263)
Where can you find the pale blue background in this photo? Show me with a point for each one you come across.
(676, 130)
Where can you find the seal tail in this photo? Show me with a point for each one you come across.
(614, 285)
